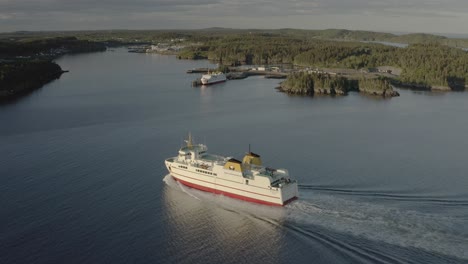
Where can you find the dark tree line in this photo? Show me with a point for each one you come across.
(312, 83)
(23, 76)
(10, 49)
(27, 64)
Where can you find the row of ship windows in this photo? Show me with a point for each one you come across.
(206, 172)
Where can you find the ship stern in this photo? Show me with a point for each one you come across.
(289, 192)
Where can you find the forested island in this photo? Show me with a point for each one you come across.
(304, 83)
(27, 65)
(425, 62)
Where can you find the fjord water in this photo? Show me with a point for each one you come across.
(82, 178)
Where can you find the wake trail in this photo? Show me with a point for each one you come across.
(376, 222)
(185, 190)
(433, 233)
(178, 186)
(446, 200)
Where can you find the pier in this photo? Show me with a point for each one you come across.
(238, 74)
(201, 70)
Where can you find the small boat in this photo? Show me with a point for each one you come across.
(246, 180)
(212, 78)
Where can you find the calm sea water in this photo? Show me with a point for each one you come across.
(82, 178)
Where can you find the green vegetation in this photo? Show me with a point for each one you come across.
(48, 46)
(312, 83)
(418, 38)
(299, 83)
(432, 64)
(23, 76)
(192, 54)
(377, 86)
(26, 64)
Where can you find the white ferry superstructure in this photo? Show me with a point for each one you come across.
(212, 78)
(245, 180)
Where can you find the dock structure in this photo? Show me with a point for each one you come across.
(267, 74)
(237, 74)
(276, 76)
(201, 70)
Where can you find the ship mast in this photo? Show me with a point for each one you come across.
(189, 140)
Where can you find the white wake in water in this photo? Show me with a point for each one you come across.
(185, 189)
(433, 233)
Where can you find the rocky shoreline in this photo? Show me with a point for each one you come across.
(387, 93)
(324, 84)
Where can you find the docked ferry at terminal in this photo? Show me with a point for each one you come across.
(246, 180)
(212, 78)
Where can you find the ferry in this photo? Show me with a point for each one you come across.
(212, 78)
(246, 180)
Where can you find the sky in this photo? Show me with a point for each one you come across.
(427, 16)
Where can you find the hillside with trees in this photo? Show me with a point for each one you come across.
(27, 64)
(20, 77)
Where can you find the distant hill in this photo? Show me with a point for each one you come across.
(135, 36)
(347, 35)
(417, 38)
(339, 34)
